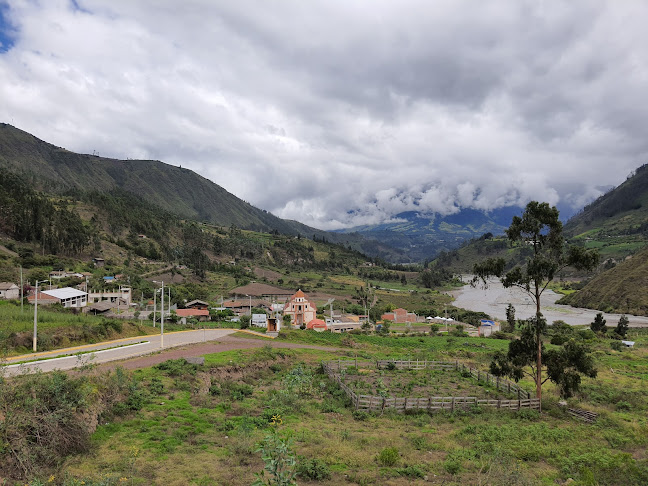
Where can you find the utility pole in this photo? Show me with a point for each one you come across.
(35, 317)
(162, 318)
(22, 295)
(154, 305)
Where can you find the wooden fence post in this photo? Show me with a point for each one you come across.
(453, 404)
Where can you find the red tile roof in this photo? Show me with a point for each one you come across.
(192, 312)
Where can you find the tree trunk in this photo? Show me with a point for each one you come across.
(539, 344)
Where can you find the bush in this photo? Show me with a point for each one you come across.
(388, 457)
(314, 469)
(453, 466)
(411, 472)
(360, 415)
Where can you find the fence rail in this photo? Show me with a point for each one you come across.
(377, 403)
(585, 415)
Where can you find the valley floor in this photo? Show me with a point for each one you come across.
(495, 298)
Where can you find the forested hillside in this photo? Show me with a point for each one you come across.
(176, 190)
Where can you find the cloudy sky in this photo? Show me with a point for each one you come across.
(342, 113)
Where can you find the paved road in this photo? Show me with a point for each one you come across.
(495, 298)
(101, 353)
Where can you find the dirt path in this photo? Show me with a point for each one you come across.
(227, 343)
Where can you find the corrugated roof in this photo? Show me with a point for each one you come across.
(64, 293)
(7, 285)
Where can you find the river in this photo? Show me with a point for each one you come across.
(494, 298)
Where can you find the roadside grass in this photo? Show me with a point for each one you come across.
(61, 329)
(202, 424)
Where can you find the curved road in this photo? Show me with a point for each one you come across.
(108, 351)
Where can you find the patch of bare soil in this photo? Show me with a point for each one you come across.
(227, 343)
(269, 274)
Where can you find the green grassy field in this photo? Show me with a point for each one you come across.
(203, 425)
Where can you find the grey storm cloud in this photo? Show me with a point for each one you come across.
(340, 114)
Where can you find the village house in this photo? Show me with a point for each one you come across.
(242, 307)
(9, 291)
(399, 316)
(300, 309)
(317, 325)
(67, 297)
(487, 327)
(262, 291)
(197, 304)
(122, 296)
(202, 315)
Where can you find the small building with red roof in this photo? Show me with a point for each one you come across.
(399, 316)
(317, 325)
(201, 314)
(300, 309)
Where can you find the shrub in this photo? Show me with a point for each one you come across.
(314, 469)
(177, 367)
(360, 415)
(411, 472)
(388, 457)
(623, 406)
(453, 466)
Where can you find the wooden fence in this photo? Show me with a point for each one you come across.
(376, 403)
(585, 415)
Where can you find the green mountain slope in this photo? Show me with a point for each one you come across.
(617, 222)
(176, 190)
(622, 289)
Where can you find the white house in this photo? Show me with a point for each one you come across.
(487, 327)
(259, 320)
(9, 290)
(67, 296)
(121, 296)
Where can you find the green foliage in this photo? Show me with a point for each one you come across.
(28, 216)
(279, 462)
(245, 321)
(388, 457)
(510, 318)
(541, 228)
(314, 469)
(177, 367)
(622, 326)
(598, 325)
(414, 472)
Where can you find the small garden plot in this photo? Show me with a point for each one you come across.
(430, 385)
(418, 383)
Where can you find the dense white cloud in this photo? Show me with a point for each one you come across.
(339, 114)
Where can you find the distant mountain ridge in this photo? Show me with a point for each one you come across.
(174, 189)
(423, 236)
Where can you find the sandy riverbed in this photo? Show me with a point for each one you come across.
(495, 298)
